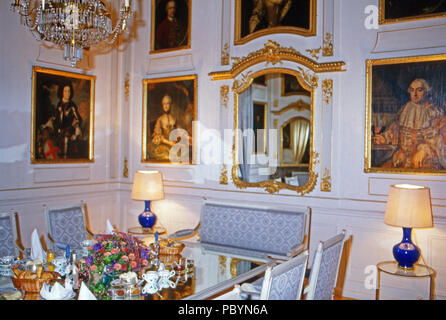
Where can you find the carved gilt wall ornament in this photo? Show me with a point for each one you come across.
(327, 90)
(327, 48)
(224, 98)
(225, 55)
(125, 171)
(127, 87)
(314, 52)
(326, 181)
(224, 174)
(273, 53)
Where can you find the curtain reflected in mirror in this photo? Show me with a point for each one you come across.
(274, 122)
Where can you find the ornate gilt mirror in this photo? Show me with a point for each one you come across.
(274, 143)
(275, 91)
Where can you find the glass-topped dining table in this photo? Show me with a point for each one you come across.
(205, 277)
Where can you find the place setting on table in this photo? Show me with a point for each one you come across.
(111, 266)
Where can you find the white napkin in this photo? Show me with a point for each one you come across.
(109, 227)
(36, 247)
(57, 292)
(85, 293)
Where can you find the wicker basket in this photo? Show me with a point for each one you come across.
(31, 285)
(174, 250)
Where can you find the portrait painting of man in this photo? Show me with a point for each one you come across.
(169, 112)
(392, 11)
(63, 111)
(256, 18)
(170, 25)
(407, 114)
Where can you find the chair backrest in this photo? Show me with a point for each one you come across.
(252, 231)
(325, 268)
(285, 280)
(8, 234)
(66, 225)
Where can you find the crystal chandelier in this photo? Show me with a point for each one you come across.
(72, 24)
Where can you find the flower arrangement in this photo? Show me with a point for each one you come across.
(110, 256)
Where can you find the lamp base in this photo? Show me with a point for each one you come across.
(405, 252)
(147, 219)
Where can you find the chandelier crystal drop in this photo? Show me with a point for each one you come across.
(72, 24)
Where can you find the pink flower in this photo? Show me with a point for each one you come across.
(94, 267)
(124, 267)
(125, 258)
(133, 264)
(114, 251)
(132, 256)
(145, 262)
(117, 266)
(107, 254)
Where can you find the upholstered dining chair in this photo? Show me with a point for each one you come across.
(325, 269)
(10, 244)
(283, 281)
(66, 226)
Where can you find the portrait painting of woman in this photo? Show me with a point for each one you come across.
(169, 112)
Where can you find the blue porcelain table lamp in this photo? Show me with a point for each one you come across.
(408, 206)
(147, 186)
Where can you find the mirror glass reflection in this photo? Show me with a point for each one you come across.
(274, 118)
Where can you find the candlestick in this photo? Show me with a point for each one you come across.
(43, 5)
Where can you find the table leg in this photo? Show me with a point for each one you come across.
(431, 289)
(378, 284)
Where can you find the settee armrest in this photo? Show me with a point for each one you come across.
(184, 233)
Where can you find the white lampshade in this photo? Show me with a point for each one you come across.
(147, 185)
(408, 206)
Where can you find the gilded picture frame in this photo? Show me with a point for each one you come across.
(62, 124)
(256, 18)
(395, 11)
(168, 122)
(170, 25)
(406, 115)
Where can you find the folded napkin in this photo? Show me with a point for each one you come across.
(85, 293)
(109, 227)
(57, 292)
(36, 247)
